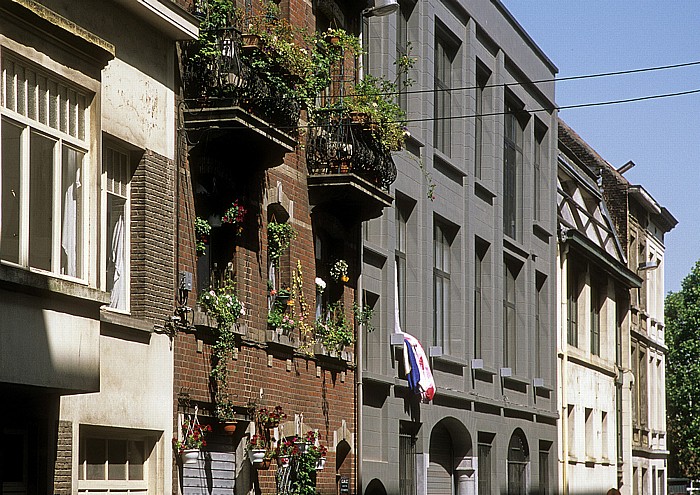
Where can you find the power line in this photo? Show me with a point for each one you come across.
(490, 114)
(564, 107)
(548, 80)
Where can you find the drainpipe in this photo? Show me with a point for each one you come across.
(564, 365)
(358, 372)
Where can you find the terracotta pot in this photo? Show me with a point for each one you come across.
(333, 40)
(230, 427)
(265, 464)
(189, 456)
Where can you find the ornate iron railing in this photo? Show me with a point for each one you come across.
(336, 144)
(221, 78)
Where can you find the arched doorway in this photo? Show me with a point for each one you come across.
(518, 463)
(375, 487)
(450, 469)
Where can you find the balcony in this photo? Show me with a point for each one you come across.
(227, 97)
(350, 171)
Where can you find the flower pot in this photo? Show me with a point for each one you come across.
(283, 462)
(360, 118)
(321, 463)
(230, 427)
(256, 456)
(264, 464)
(332, 39)
(189, 456)
(251, 42)
(301, 446)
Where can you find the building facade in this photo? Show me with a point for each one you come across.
(645, 223)
(465, 262)
(593, 319)
(280, 182)
(87, 104)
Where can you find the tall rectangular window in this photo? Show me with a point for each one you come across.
(618, 422)
(441, 287)
(400, 254)
(595, 316)
(482, 80)
(407, 460)
(541, 340)
(480, 251)
(572, 305)
(43, 146)
(117, 171)
(538, 178)
(512, 164)
(509, 315)
(544, 467)
(442, 129)
(402, 51)
(485, 461)
(590, 433)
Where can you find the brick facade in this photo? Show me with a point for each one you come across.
(63, 465)
(152, 240)
(305, 385)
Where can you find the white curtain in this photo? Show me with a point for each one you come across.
(118, 297)
(69, 230)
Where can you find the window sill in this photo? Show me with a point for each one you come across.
(108, 315)
(483, 193)
(38, 283)
(539, 231)
(450, 360)
(202, 319)
(332, 356)
(275, 337)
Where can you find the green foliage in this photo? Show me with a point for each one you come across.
(334, 331)
(363, 316)
(682, 317)
(222, 304)
(202, 229)
(279, 318)
(304, 482)
(279, 236)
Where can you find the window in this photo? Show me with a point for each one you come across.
(441, 287)
(402, 50)
(512, 164)
(590, 433)
(541, 340)
(618, 422)
(407, 459)
(400, 254)
(479, 265)
(118, 172)
(538, 177)
(544, 467)
(485, 462)
(112, 463)
(482, 81)
(518, 460)
(572, 305)
(595, 316)
(509, 315)
(604, 434)
(444, 55)
(571, 429)
(42, 144)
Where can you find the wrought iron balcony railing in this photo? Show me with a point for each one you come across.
(337, 145)
(217, 75)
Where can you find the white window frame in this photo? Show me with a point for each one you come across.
(89, 487)
(75, 136)
(110, 145)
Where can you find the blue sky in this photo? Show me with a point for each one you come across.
(661, 136)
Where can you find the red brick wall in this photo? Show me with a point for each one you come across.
(326, 399)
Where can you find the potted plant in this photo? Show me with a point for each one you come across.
(226, 414)
(279, 236)
(286, 449)
(333, 330)
(279, 319)
(192, 441)
(257, 449)
(202, 230)
(234, 216)
(339, 271)
(269, 418)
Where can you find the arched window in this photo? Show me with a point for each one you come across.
(518, 463)
(441, 467)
